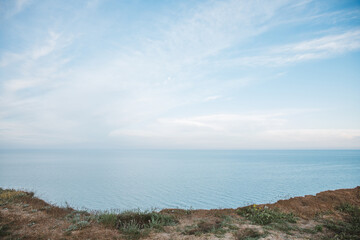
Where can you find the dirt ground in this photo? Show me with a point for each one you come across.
(23, 216)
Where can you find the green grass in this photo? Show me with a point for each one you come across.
(204, 227)
(8, 195)
(108, 219)
(218, 227)
(265, 216)
(4, 230)
(318, 228)
(135, 224)
(248, 234)
(348, 229)
(270, 218)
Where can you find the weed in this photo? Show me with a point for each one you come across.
(350, 227)
(79, 220)
(204, 227)
(247, 234)
(10, 195)
(71, 228)
(227, 223)
(265, 216)
(108, 219)
(318, 228)
(4, 230)
(307, 230)
(77, 226)
(135, 224)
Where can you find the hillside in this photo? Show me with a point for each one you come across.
(327, 215)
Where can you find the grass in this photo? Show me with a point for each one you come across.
(135, 224)
(108, 219)
(270, 218)
(204, 227)
(79, 220)
(248, 234)
(10, 195)
(265, 216)
(216, 227)
(4, 230)
(349, 228)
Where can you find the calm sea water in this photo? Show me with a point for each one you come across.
(168, 179)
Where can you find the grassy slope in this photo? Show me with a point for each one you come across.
(328, 215)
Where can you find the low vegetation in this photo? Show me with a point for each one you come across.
(265, 215)
(23, 216)
(349, 228)
(135, 224)
(248, 234)
(203, 227)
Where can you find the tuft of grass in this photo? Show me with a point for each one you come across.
(247, 234)
(189, 211)
(350, 227)
(108, 219)
(4, 230)
(79, 220)
(265, 216)
(135, 224)
(10, 195)
(204, 227)
(318, 228)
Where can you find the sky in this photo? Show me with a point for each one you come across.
(230, 74)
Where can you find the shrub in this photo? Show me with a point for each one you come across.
(350, 227)
(247, 234)
(265, 216)
(135, 224)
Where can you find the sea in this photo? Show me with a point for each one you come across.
(187, 179)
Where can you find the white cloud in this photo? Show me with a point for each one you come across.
(324, 47)
(212, 98)
(236, 132)
(204, 128)
(18, 84)
(143, 91)
(47, 48)
(17, 7)
(314, 138)
(51, 44)
(304, 135)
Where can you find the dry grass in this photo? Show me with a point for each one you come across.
(247, 234)
(23, 216)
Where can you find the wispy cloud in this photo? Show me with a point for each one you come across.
(16, 7)
(319, 48)
(237, 131)
(185, 82)
(212, 98)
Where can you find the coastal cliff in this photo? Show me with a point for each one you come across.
(327, 215)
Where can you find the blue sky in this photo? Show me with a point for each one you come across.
(180, 74)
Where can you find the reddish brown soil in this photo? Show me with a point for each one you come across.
(309, 206)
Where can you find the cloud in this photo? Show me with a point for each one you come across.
(314, 138)
(204, 128)
(16, 7)
(85, 84)
(211, 98)
(236, 131)
(303, 135)
(48, 46)
(319, 48)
